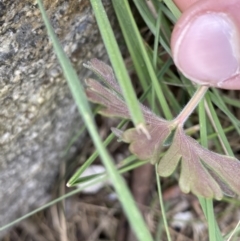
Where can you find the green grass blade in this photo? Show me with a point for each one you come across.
(92, 158)
(161, 204)
(173, 8)
(155, 57)
(134, 217)
(136, 45)
(146, 14)
(218, 127)
(207, 204)
(153, 107)
(150, 21)
(128, 164)
(231, 101)
(218, 101)
(169, 14)
(117, 62)
(87, 163)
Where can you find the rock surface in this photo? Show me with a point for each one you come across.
(38, 116)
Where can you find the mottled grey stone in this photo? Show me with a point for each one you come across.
(38, 116)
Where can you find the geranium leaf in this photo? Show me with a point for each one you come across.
(113, 104)
(105, 72)
(224, 187)
(203, 172)
(108, 93)
(226, 168)
(144, 148)
(170, 160)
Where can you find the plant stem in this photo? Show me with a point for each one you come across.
(190, 107)
(161, 204)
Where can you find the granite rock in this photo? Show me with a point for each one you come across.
(38, 116)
